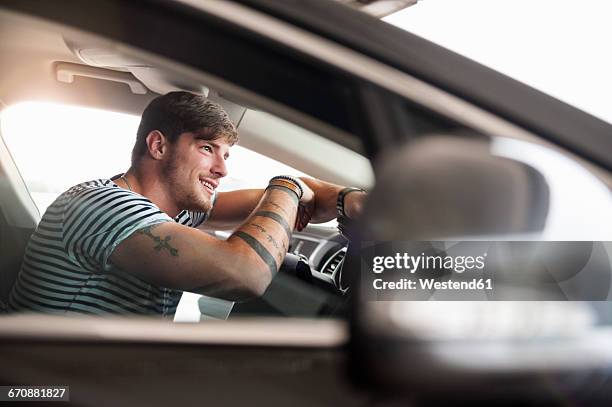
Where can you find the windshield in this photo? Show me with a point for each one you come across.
(52, 146)
(556, 46)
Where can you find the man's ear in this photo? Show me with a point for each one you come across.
(157, 144)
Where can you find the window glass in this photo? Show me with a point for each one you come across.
(579, 201)
(555, 47)
(56, 146)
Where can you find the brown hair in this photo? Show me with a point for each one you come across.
(176, 113)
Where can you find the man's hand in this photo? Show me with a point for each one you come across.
(353, 204)
(306, 207)
(326, 196)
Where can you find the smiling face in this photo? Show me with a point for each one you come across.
(193, 169)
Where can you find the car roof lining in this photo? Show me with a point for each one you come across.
(32, 76)
(32, 52)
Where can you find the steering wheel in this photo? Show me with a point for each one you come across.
(347, 229)
(295, 291)
(296, 282)
(296, 265)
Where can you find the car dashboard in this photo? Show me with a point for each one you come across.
(324, 249)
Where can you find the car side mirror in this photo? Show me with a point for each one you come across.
(446, 187)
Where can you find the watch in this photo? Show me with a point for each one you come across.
(340, 202)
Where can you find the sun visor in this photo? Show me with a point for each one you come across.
(106, 56)
(161, 82)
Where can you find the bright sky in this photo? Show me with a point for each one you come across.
(561, 47)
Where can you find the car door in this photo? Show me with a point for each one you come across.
(250, 361)
(369, 93)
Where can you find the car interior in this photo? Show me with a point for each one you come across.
(66, 67)
(451, 182)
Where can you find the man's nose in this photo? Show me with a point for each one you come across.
(219, 169)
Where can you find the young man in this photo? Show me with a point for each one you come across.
(132, 244)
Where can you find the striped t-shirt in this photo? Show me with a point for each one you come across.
(66, 266)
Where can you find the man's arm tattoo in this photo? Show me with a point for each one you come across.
(278, 219)
(280, 208)
(294, 197)
(161, 243)
(258, 248)
(271, 239)
(258, 227)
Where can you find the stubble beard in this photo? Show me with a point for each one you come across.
(183, 190)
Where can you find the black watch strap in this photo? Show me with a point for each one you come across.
(340, 202)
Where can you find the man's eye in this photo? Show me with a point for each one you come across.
(207, 148)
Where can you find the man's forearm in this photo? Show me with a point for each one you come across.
(266, 233)
(326, 195)
(232, 208)
(326, 198)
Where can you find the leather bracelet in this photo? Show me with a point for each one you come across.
(286, 179)
(286, 185)
(340, 202)
(290, 184)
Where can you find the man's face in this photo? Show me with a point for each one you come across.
(193, 170)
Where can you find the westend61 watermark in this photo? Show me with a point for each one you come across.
(481, 270)
(422, 262)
